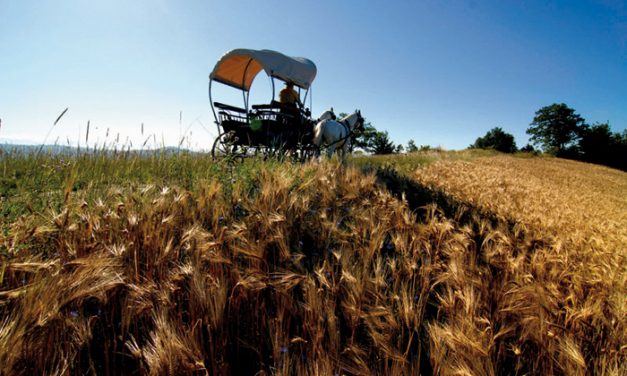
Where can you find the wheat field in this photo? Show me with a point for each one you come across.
(578, 281)
(274, 268)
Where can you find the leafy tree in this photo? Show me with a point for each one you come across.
(560, 131)
(411, 146)
(364, 139)
(528, 149)
(372, 140)
(620, 155)
(556, 128)
(399, 149)
(381, 144)
(598, 144)
(496, 139)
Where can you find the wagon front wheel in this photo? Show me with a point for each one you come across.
(225, 145)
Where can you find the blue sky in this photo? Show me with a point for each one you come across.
(439, 72)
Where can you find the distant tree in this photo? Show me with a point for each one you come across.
(496, 139)
(560, 131)
(411, 146)
(556, 128)
(372, 140)
(363, 140)
(399, 149)
(381, 144)
(528, 149)
(620, 157)
(598, 144)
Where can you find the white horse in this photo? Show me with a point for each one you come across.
(336, 134)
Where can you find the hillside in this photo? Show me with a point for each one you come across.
(573, 200)
(176, 264)
(579, 278)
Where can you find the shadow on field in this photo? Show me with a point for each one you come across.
(421, 200)
(419, 197)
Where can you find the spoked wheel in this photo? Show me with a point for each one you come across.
(276, 148)
(306, 149)
(297, 154)
(225, 145)
(308, 152)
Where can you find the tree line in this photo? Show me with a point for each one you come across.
(560, 131)
(378, 142)
(556, 129)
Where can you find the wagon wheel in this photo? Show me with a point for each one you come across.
(225, 145)
(272, 152)
(274, 148)
(308, 152)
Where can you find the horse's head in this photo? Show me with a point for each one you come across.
(355, 121)
(359, 124)
(328, 115)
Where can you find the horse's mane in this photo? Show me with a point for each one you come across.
(349, 116)
(328, 115)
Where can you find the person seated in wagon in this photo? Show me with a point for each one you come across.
(289, 97)
(290, 102)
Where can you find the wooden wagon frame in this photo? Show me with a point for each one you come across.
(270, 128)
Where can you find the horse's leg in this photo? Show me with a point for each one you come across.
(331, 150)
(344, 150)
(327, 138)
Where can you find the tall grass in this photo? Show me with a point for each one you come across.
(33, 182)
(175, 264)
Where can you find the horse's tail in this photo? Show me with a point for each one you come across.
(318, 133)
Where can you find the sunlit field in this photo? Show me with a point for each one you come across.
(572, 290)
(466, 263)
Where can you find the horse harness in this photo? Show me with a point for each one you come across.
(349, 133)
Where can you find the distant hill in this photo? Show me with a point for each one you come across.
(67, 150)
(27, 149)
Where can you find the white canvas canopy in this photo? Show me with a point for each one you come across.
(239, 67)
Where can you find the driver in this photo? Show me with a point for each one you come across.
(290, 102)
(289, 97)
